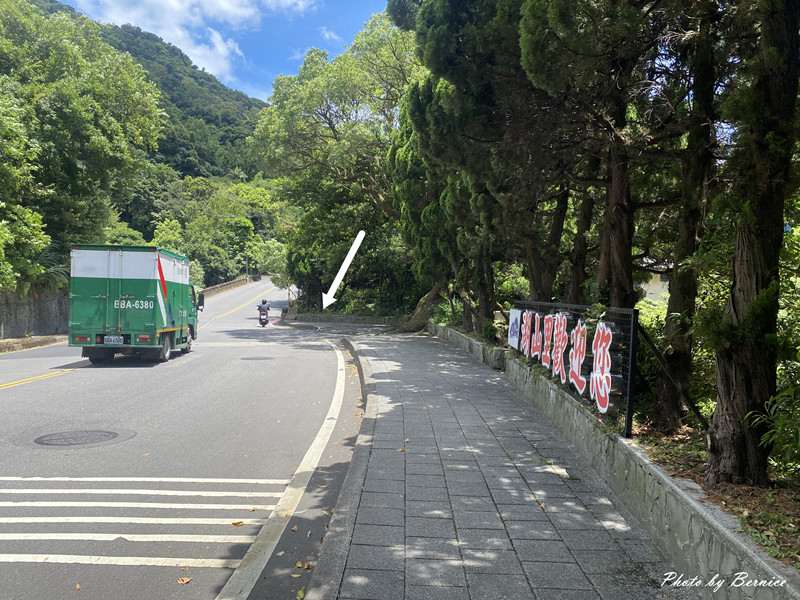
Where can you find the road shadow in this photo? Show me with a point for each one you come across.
(119, 362)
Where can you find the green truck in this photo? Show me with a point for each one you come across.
(131, 300)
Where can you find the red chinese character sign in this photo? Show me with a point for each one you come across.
(536, 347)
(527, 317)
(577, 356)
(600, 379)
(548, 335)
(560, 341)
(594, 357)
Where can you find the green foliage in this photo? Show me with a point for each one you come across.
(169, 235)
(208, 123)
(268, 256)
(324, 138)
(79, 115)
(781, 422)
(512, 285)
(120, 233)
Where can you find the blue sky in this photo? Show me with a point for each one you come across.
(245, 43)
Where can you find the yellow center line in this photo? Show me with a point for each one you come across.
(261, 294)
(35, 378)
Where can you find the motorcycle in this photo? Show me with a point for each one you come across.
(263, 318)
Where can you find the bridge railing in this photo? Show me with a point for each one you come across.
(221, 287)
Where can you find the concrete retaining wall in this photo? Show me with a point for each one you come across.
(698, 538)
(36, 313)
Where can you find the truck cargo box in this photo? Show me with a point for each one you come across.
(130, 299)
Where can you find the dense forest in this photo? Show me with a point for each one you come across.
(493, 150)
(111, 135)
(208, 123)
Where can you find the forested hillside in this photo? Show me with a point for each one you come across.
(208, 122)
(94, 150)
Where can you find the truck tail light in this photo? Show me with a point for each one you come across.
(82, 339)
(143, 339)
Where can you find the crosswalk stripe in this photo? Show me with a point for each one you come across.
(27, 504)
(124, 561)
(110, 537)
(153, 479)
(127, 492)
(136, 520)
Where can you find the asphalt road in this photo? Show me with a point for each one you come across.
(191, 458)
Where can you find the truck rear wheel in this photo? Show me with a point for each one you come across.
(166, 348)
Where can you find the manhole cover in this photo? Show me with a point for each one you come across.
(76, 438)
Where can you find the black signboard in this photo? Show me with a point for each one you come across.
(589, 349)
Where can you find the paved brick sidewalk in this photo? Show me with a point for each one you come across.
(469, 494)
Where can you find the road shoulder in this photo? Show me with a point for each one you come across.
(10, 345)
(336, 544)
(296, 560)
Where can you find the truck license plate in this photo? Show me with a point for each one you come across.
(113, 339)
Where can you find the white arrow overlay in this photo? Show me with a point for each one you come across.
(328, 299)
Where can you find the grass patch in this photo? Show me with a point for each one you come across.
(771, 516)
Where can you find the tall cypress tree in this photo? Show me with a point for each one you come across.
(763, 109)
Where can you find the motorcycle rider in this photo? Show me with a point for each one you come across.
(263, 309)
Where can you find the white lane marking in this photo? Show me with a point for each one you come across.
(244, 578)
(131, 492)
(122, 561)
(136, 520)
(110, 537)
(154, 479)
(137, 505)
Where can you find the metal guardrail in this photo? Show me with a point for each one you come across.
(210, 291)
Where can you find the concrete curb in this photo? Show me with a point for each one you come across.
(338, 318)
(327, 578)
(699, 537)
(15, 345)
(489, 355)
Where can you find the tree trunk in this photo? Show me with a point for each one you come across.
(467, 320)
(698, 164)
(531, 269)
(543, 266)
(485, 289)
(747, 362)
(580, 250)
(422, 313)
(619, 223)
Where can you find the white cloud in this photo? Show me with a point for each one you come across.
(194, 25)
(329, 35)
(298, 54)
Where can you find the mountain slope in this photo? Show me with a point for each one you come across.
(208, 122)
